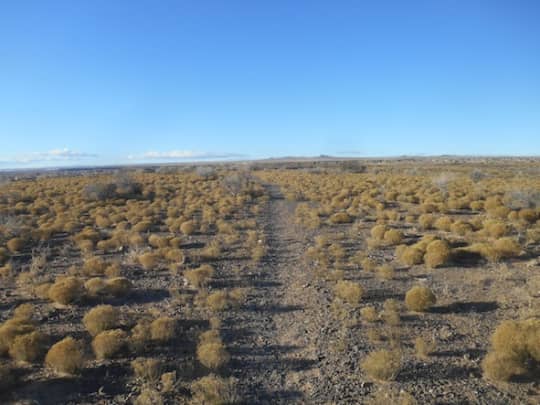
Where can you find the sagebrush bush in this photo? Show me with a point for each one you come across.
(29, 347)
(10, 330)
(382, 365)
(147, 369)
(393, 237)
(419, 299)
(214, 390)
(341, 218)
(95, 287)
(212, 354)
(410, 255)
(66, 356)
(163, 329)
(386, 272)
(424, 347)
(101, 318)
(67, 290)
(108, 343)
(149, 396)
(118, 286)
(515, 350)
(149, 260)
(349, 291)
(368, 314)
(16, 245)
(437, 253)
(199, 277)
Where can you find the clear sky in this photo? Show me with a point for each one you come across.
(115, 81)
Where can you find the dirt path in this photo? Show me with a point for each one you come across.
(270, 345)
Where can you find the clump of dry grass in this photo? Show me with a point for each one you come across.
(515, 350)
(28, 347)
(199, 277)
(188, 227)
(16, 245)
(118, 286)
(147, 369)
(163, 329)
(382, 365)
(368, 314)
(409, 255)
(437, 253)
(95, 287)
(386, 272)
(108, 343)
(101, 318)
(349, 291)
(340, 218)
(212, 354)
(419, 299)
(393, 237)
(149, 260)
(66, 356)
(66, 290)
(214, 390)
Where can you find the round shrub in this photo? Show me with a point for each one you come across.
(66, 356)
(419, 299)
(100, 318)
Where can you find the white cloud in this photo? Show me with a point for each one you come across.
(183, 155)
(54, 155)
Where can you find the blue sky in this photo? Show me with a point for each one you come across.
(100, 81)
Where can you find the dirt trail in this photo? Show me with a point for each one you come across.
(270, 345)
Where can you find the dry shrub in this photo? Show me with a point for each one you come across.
(158, 241)
(424, 347)
(101, 318)
(148, 370)
(66, 356)
(386, 272)
(218, 301)
(149, 260)
(141, 335)
(24, 313)
(118, 286)
(437, 253)
(214, 390)
(199, 277)
(368, 264)
(426, 221)
(258, 253)
(443, 224)
(28, 347)
(393, 237)
(16, 245)
(163, 329)
(188, 227)
(419, 299)
(515, 350)
(149, 396)
(95, 287)
(42, 290)
(113, 270)
(410, 255)
(340, 218)
(237, 297)
(109, 343)
(382, 365)
(349, 291)
(212, 355)
(66, 290)
(378, 232)
(94, 266)
(368, 314)
(169, 382)
(507, 247)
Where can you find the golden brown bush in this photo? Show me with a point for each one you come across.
(24, 313)
(141, 335)
(218, 301)
(108, 343)
(95, 287)
(393, 236)
(101, 318)
(188, 227)
(437, 253)
(515, 350)
(410, 255)
(118, 286)
(66, 356)
(382, 365)
(94, 266)
(349, 291)
(214, 390)
(16, 245)
(340, 218)
(385, 272)
(368, 314)
(419, 299)
(163, 329)
(443, 224)
(66, 290)
(28, 347)
(148, 370)
(368, 264)
(149, 260)
(426, 221)
(199, 277)
(378, 232)
(212, 355)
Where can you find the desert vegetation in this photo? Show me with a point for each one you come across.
(406, 281)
